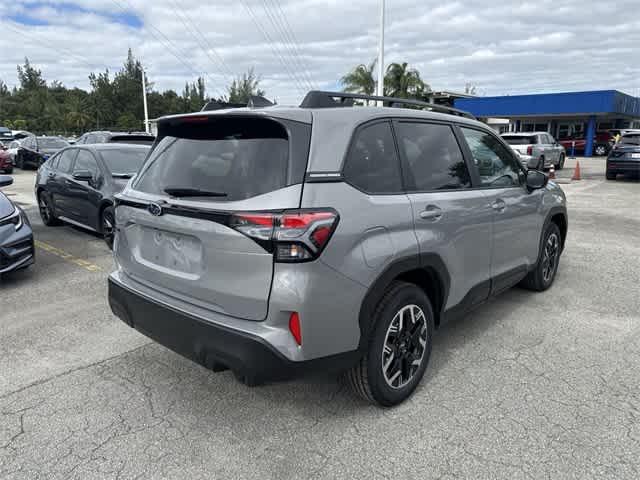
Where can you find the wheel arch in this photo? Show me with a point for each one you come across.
(104, 204)
(427, 271)
(557, 215)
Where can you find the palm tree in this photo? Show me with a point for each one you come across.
(403, 82)
(360, 79)
(76, 118)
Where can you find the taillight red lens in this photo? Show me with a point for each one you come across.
(294, 327)
(293, 236)
(529, 150)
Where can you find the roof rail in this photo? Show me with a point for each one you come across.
(319, 99)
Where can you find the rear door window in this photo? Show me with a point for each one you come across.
(86, 161)
(66, 160)
(234, 157)
(372, 163)
(432, 157)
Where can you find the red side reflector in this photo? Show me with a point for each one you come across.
(193, 119)
(294, 327)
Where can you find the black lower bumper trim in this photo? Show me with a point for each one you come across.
(214, 346)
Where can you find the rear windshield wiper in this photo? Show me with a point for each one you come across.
(192, 192)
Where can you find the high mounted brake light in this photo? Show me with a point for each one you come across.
(292, 236)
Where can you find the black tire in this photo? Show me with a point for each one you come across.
(107, 226)
(401, 342)
(600, 150)
(19, 161)
(560, 165)
(611, 175)
(46, 211)
(544, 273)
(540, 166)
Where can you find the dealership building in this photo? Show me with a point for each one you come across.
(563, 115)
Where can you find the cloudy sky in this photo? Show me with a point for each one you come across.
(502, 47)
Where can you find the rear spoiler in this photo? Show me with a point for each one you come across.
(255, 101)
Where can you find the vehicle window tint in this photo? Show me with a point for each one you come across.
(238, 158)
(432, 157)
(124, 160)
(65, 160)
(372, 163)
(496, 166)
(86, 161)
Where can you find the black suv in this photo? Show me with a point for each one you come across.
(138, 138)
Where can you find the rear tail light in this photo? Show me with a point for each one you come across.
(292, 236)
(529, 150)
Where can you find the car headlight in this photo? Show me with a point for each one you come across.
(15, 219)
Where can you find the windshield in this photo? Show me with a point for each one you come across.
(630, 140)
(52, 143)
(124, 161)
(519, 140)
(236, 158)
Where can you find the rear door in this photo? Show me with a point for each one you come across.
(451, 219)
(56, 183)
(83, 195)
(175, 231)
(517, 221)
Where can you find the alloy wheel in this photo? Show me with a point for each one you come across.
(45, 213)
(550, 258)
(404, 346)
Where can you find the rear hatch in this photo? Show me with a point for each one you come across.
(194, 223)
(521, 144)
(627, 149)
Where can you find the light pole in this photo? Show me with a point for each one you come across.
(380, 89)
(144, 100)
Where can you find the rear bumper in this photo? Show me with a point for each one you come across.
(214, 346)
(622, 166)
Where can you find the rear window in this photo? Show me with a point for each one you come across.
(52, 143)
(520, 140)
(239, 157)
(132, 139)
(124, 160)
(630, 139)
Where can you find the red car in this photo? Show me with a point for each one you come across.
(6, 165)
(601, 144)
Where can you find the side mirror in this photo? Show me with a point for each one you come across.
(5, 180)
(83, 175)
(536, 180)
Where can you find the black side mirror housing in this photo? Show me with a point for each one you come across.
(83, 175)
(536, 180)
(6, 180)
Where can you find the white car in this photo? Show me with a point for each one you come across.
(536, 150)
(12, 150)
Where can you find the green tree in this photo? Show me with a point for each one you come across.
(404, 82)
(244, 87)
(361, 79)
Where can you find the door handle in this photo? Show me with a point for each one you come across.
(499, 205)
(431, 213)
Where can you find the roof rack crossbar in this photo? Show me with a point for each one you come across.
(320, 99)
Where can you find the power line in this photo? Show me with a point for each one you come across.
(290, 36)
(186, 22)
(285, 46)
(170, 46)
(62, 50)
(207, 47)
(299, 85)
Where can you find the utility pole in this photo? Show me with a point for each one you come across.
(144, 100)
(380, 89)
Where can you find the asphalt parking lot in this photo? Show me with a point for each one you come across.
(528, 386)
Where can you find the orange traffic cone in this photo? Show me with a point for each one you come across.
(576, 172)
(552, 172)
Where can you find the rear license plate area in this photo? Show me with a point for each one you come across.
(170, 251)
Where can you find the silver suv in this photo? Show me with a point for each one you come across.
(537, 150)
(273, 241)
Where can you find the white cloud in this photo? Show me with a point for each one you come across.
(537, 46)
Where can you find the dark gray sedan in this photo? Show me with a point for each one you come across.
(78, 184)
(16, 236)
(624, 157)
